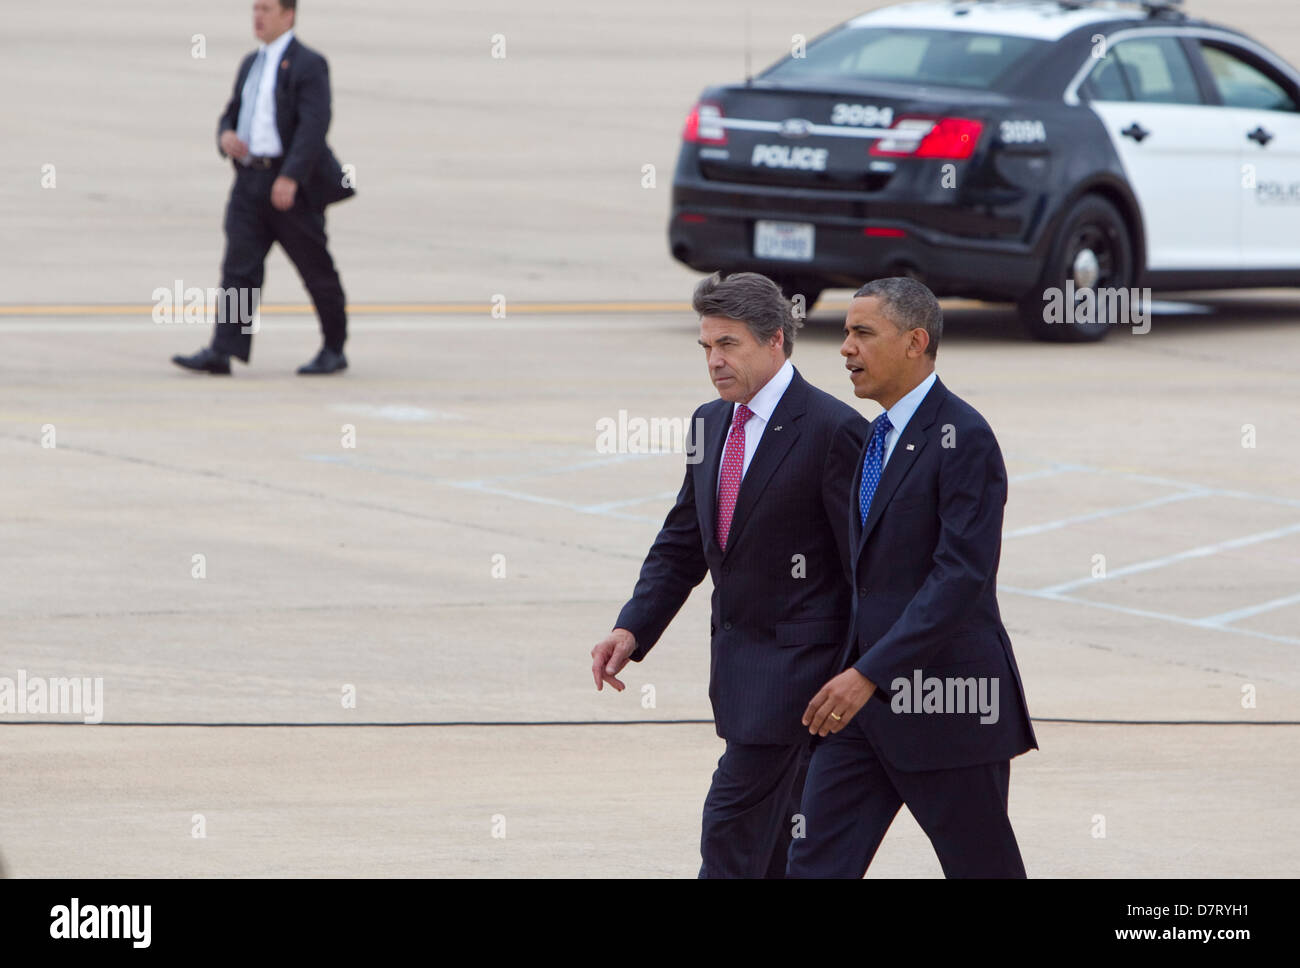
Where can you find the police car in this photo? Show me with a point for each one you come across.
(1003, 150)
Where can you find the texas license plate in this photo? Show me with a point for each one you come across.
(792, 241)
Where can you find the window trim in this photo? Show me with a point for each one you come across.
(1289, 85)
(1123, 78)
(996, 85)
(1071, 95)
(1130, 82)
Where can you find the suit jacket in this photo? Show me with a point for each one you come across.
(780, 591)
(924, 570)
(302, 116)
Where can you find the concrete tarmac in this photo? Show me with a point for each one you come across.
(435, 539)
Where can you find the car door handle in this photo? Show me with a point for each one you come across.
(1136, 132)
(1260, 135)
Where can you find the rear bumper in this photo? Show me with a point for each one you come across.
(711, 227)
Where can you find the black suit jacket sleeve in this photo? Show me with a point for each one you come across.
(674, 565)
(972, 493)
(229, 120)
(313, 93)
(838, 475)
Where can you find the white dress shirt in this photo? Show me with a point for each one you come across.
(901, 412)
(264, 138)
(764, 402)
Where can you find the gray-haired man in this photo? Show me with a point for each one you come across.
(762, 509)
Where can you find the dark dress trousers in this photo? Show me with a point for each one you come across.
(924, 570)
(780, 609)
(252, 224)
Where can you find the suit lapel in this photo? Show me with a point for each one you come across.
(706, 480)
(282, 74)
(855, 512)
(241, 79)
(779, 435)
(908, 447)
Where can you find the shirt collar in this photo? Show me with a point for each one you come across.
(766, 399)
(901, 412)
(277, 47)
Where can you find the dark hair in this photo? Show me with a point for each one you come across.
(909, 305)
(749, 298)
(288, 4)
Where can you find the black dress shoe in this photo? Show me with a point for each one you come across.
(206, 360)
(326, 361)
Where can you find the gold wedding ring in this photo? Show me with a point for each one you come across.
(835, 717)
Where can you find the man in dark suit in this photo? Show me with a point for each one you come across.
(930, 709)
(273, 130)
(761, 509)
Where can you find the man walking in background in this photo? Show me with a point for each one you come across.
(763, 510)
(273, 130)
(930, 709)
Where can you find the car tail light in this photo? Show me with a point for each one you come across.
(704, 125)
(950, 138)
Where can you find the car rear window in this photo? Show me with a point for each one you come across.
(948, 58)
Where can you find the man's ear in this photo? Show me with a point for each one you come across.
(918, 342)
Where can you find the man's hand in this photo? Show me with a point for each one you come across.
(231, 144)
(844, 696)
(609, 656)
(282, 193)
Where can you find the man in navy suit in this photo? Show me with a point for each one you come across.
(930, 709)
(762, 511)
(273, 130)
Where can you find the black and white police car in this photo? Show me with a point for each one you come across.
(1005, 150)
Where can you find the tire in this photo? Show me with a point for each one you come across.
(1092, 250)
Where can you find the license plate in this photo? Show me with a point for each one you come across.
(792, 241)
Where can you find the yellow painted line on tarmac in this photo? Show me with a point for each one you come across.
(412, 309)
(385, 309)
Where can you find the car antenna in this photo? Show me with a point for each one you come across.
(749, 69)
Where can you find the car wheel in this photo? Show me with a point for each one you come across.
(1092, 254)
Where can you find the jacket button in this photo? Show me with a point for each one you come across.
(726, 569)
(727, 626)
(862, 593)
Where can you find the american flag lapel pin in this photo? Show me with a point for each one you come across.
(777, 427)
(911, 446)
(284, 64)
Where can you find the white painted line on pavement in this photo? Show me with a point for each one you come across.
(553, 502)
(1223, 618)
(484, 486)
(1045, 472)
(1105, 513)
(1203, 551)
(1146, 613)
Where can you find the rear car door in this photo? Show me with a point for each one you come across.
(1263, 104)
(1181, 156)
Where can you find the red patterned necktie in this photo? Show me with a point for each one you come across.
(733, 468)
